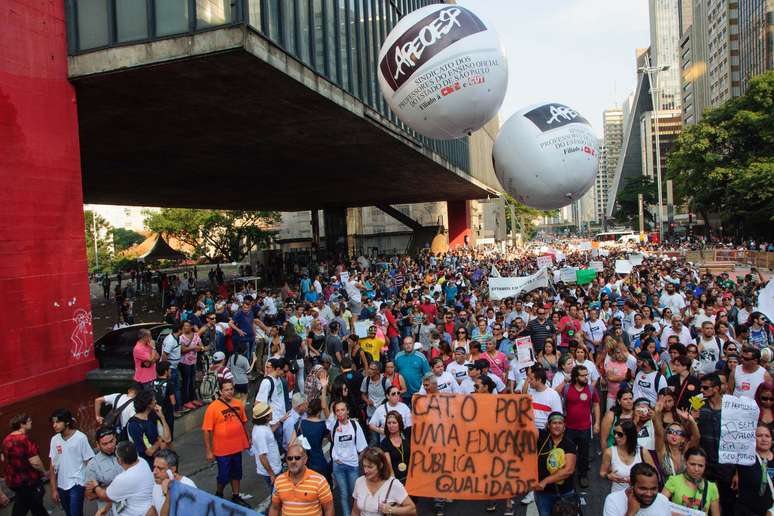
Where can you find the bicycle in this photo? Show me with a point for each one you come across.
(208, 387)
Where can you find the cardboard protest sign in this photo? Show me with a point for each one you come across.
(186, 501)
(679, 510)
(585, 276)
(525, 351)
(472, 447)
(623, 267)
(597, 266)
(544, 261)
(508, 286)
(636, 259)
(738, 418)
(567, 274)
(585, 246)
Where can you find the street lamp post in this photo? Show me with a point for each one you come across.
(655, 93)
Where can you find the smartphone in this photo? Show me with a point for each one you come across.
(170, 475)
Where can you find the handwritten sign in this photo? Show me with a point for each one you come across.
(544, 261)
(508, 286)
(623, 267)
(186, 500)
(567, 274)
(525, 351)
(636, 259)
(738, 418)
(585, 276)
(344, 276)
(597, 265)
(472, 447)
(679, 510)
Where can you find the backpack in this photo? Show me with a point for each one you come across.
(113, 419)
(384, 386)
(271, 387)
(355, 426)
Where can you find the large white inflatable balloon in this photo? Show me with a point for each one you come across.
(443, 71)
(546, 156)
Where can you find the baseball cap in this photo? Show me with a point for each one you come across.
(417, 346)
(218, 356)
(298, 399)
(261, 410)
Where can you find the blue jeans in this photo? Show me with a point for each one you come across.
(545, 501)
(72, 500)
(174, 382)
(394, 348)
(345, 476)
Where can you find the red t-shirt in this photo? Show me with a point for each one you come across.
(572, 324)
(392, 328)
(578, 407)
(429, 309)
(142, 353)
(17, 449)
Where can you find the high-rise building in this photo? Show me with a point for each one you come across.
(722, 50)
(756, 39)
(612, 144)
(665, 50)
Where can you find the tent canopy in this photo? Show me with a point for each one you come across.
(154, 248)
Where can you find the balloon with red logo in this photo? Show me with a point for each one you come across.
(443, 71)
(546, 156)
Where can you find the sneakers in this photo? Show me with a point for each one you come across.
(529, 498)
(240, 501)
(190, 405)
(198, 403)
(583, 482)
(491, 507)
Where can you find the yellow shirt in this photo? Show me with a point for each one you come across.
(373, 347)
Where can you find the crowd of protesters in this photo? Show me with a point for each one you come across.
(340, 350)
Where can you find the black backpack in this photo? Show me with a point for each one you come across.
(384, 386)
(271, 388)
(113, 419)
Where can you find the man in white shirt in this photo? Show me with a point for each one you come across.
(131, 492)
(165, 463)
(458, 368)
(677, 328)
(446, 384)
(69, 452)
(642, 498)
(672, 299)
(544, 399)
(119, 402)
(594, 329)
(270, 391)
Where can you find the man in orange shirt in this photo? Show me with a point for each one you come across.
(300, 491)
(225, 438)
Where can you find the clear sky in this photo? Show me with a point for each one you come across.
(578, 52)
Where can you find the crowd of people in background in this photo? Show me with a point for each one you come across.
(315, 381)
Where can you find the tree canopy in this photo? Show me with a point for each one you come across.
(627, 209)
(95, 224)
(523, 216)
(215, 234)
(125, 238)
(724, 164)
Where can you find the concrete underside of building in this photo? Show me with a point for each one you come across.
(185, 122)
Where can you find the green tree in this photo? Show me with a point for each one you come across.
(215, 234)
(125, 238)
(724, 164)
(97, 225)
(627, 210)
(523, 217)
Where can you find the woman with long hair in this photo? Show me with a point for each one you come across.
(190, 346)
(315, 342)
(356, 353)
(295, 351)
(764, 397)
(616, 369)
(397, 444)
(276, 347)
(377, 492)
(617, 460)
(753, 482)
(347, 441)
(461, 339)
(621, 411)
(691, 488)
(562, 376)
(313, 428)
(395, 378)
(549, 359)
(672, 439)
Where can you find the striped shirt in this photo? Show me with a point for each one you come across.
(302, 499)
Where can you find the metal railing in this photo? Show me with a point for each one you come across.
(337, 39)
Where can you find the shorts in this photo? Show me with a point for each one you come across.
(241, 388)
(355, 308)
(229, 468)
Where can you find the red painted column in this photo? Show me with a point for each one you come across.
(45, 310)
(458, 213)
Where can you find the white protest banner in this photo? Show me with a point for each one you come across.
(559, 256)
(545, 261)
(623, 267)
(636, 259)
(738, 419)
(594, 252)
(585, 246)
(500, 288)
(344, 275)
(604, 252)
(567, 274)
(597, 266)
(679, 510)
(361, 327)
(525, 352)
(494, 273)
(766, 301)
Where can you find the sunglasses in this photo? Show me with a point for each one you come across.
(293, 458)
(707, 387)
(394, 393)
(676, 432)
(618, 434)
(766, 398)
